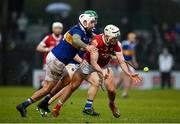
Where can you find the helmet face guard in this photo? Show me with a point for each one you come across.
(113, 40)
(112, 32)
(86, 17)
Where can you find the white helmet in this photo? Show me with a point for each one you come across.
(112, 31)
(86, 17)
(57, 24)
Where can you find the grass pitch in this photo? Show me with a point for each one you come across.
(141, 106)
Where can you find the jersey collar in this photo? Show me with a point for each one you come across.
(82, 28)
(57, 38)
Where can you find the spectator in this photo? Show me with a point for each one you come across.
(165, 66)
(22, 24)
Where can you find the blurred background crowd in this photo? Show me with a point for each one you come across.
(23, 24)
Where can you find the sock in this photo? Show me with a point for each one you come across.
(28, 102)
(58, 106)
(47, 98)
(88, 104)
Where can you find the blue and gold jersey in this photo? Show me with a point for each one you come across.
(65, 50)
(128, 50)
(81, 54)
(89, 34)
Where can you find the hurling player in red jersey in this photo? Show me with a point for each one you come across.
(50, 41)
(97, 61)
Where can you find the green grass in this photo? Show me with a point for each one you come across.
(141, 106)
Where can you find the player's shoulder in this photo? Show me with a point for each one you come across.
(76, 29)
(48, 36)
(98, 40)
(98, 36)
(94, 42)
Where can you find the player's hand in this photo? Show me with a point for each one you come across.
(135, 77)
(103, 75)
(91, 48)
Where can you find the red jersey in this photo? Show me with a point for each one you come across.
(50, 41)
(104, 51)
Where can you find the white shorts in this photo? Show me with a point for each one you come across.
(55, 70)
(71, 68)
(86, 68)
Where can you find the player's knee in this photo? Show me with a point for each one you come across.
(74, 86)
(46, 89)
(95, 85)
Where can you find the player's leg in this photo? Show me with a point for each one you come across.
(80, 74)
(42, 107)
(111, 90)
(35, 97)
(68, 72)
(93, 79)
(77, 78)
(48, 85)
(53, 74)
(126, 83)
(117, 76)
(55, 97)
(65, 82)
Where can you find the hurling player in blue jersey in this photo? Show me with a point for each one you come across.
(71, 68)
(75, 39)
(129, 54)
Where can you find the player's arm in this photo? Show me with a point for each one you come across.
(94, 55)
(79, 43)
(42, 46)
(119, 55)
(122, 63)
(93, 60)
(78, 59)
(125, 69)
